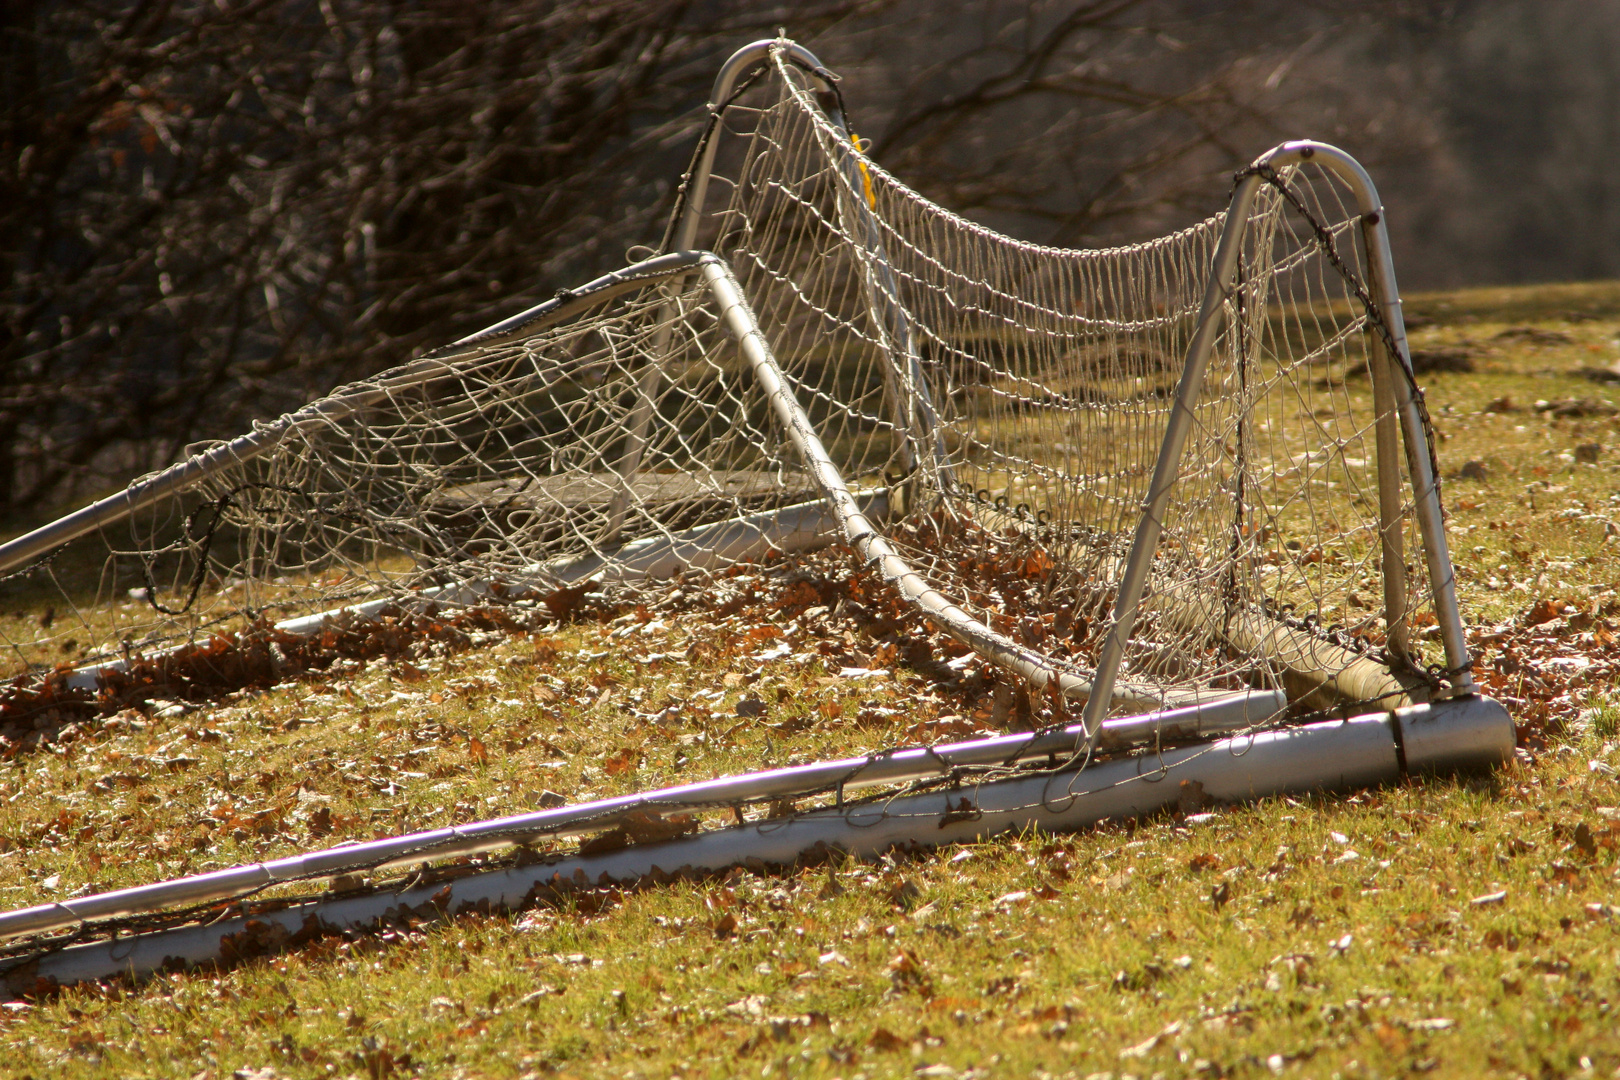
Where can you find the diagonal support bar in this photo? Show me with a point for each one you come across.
(1151, 524)
(876, 550)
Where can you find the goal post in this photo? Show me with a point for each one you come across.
(1390, 372)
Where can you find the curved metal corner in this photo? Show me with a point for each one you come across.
(738, 64)
(1330, 157)
(757, 52)
(1425, 484)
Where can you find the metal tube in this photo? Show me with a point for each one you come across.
(1391, 537)
(1426, 491)
(1462, 734)
(337, 406)
(1151, 524)
(1235, 713)
(1320, 757)
(801, 527)
(572, 301)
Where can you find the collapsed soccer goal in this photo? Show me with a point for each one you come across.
(1206, 455)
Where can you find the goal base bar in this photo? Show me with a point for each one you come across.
(1461, 734)
(1247, 710)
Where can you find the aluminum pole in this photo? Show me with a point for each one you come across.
(1151, 524)
(848, 774)
(875, 549)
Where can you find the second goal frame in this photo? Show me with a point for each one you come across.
(1393, 385)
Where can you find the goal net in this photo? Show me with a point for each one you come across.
(980, 417)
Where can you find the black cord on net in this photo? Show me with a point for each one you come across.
(38, 564)
(1375, 315)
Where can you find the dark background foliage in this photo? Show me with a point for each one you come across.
(211, 210)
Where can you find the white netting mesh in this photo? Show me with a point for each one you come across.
(998, 404)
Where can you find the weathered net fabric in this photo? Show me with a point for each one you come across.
(1051, 375)
(998, 403)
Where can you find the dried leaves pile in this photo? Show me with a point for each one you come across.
(820, 608)
(1543, 662)
(35, 711)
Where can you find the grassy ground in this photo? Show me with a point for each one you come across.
(1455, 928)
